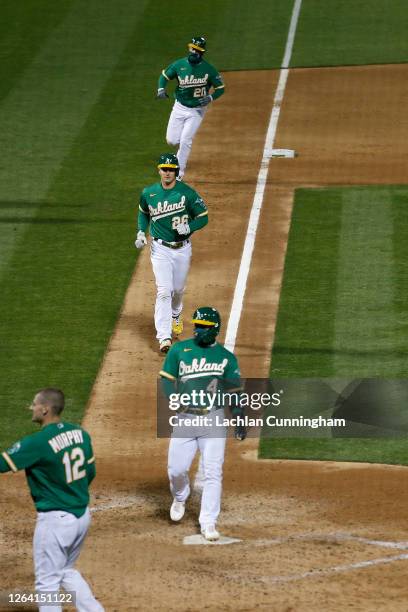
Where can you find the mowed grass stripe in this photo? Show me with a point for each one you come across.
(399, 212)
(23, 30)
(340, 313)
(343, 32)
(43, 114)
(366, 338)
(368, 318)
(65, 282)
(303, 344)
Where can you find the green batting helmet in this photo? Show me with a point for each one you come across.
(207, 324)
(198, 43)
(168, 160)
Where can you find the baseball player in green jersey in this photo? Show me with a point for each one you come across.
(174, 211)
(59, 465)
(200, 363)
(196, 78)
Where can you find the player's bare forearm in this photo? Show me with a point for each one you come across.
(198, 223)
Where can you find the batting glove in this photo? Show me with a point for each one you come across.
(240, 432)
(161, 94)
(204, 101)
(141, 240)
(183, 229)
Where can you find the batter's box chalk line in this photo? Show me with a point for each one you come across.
(199, 540)
(336, 569)
(330, 537)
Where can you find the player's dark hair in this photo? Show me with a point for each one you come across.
(54, 398)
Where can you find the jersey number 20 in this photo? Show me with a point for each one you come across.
(73, 463)
(199, 92)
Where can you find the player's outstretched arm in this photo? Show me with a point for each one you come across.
(21, 455)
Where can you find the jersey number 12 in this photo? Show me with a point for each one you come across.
(73, 463)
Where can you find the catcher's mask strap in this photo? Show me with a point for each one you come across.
(201, 322)
(174, 166)
(196, 47)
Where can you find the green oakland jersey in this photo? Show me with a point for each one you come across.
(194, 81)
(59, 465)
(166, 208)
(208, 368)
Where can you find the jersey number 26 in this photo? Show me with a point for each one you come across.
(176, 220)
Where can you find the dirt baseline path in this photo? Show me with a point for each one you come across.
(314, 535)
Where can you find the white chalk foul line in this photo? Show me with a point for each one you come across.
(333, 570)
(240, 287)
(331, 537)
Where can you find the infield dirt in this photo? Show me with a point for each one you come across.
(286, 513)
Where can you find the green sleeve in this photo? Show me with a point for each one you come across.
(170, 368)
(217, 83)
(232, 381)
(4, 466)
(232, 372)
(21, 455)
(167, 75)
(169, 372)
(143, 217)
(198, 211)
(90, 463)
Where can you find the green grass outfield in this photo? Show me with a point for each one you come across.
(343, 306)
(79, 133)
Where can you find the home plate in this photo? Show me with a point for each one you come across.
(280, 153)
(198, 539)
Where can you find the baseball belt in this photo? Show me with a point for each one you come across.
(172, 245)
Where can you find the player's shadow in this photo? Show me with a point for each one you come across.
(160, 497)
(141, 326)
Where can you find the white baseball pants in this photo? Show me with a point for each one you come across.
(170, 268)
(180, 457)
(58, 539)
(181, 129)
